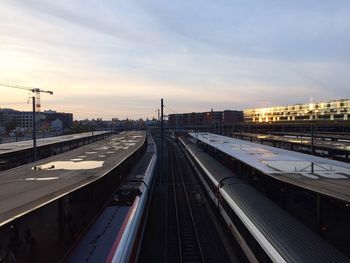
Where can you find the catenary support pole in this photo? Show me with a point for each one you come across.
(162, 138)
(34, 131)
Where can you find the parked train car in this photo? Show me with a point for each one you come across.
(263, 230)
(116, 234)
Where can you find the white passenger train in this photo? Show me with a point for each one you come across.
(263, 230)
(116, 234)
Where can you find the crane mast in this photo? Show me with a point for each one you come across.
(37, 101)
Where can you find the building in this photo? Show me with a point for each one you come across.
(2, 119)
(57, 125)
(209, 119)
(51, 116)
(334, 110)
(232, 116)
(11, 119)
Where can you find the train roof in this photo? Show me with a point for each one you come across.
(99, 239)
(204, 158)
(329, 177)
(294, 241)
(97, 242)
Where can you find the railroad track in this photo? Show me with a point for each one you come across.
(184, 244)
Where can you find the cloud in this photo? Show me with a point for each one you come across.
(69, 12)
(295, 30)
(115, 58)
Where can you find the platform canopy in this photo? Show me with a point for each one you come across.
(28, 187)
(325, 176)
(28, 144)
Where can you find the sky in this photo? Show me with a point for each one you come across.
(117, 58)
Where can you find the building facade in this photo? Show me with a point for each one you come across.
(334, 110)
(24, 119)
(209, 118)
(50, 116)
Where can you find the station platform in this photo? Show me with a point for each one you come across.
(11, 147)
(19, 153)
(329, 146)
(318, 135)
(28, 187)
(321, 175)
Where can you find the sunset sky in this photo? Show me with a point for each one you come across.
(117, 58)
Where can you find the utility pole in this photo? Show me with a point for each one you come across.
(312, 147)
(158, 117)
(212, 121)
(222, 123)
(34, 130)
(162, 125)
(161, 140)
(312, 140)
(177, 122)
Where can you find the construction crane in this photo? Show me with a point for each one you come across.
(34, 90)
(36, 107)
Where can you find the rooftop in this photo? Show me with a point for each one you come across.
(328, 177)
(28, 187)
(25, 145)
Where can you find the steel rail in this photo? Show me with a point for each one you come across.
(175, 203)
(188, 205)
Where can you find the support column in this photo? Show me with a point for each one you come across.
(161, 140)
(312, 140)
(61, 218)
(34, 131)
(319, 213)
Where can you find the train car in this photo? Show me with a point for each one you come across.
(263, 230)
(116, 234)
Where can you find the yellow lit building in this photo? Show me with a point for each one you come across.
(323, 111)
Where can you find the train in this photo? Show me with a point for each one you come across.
(263, 231)
(116, 234)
